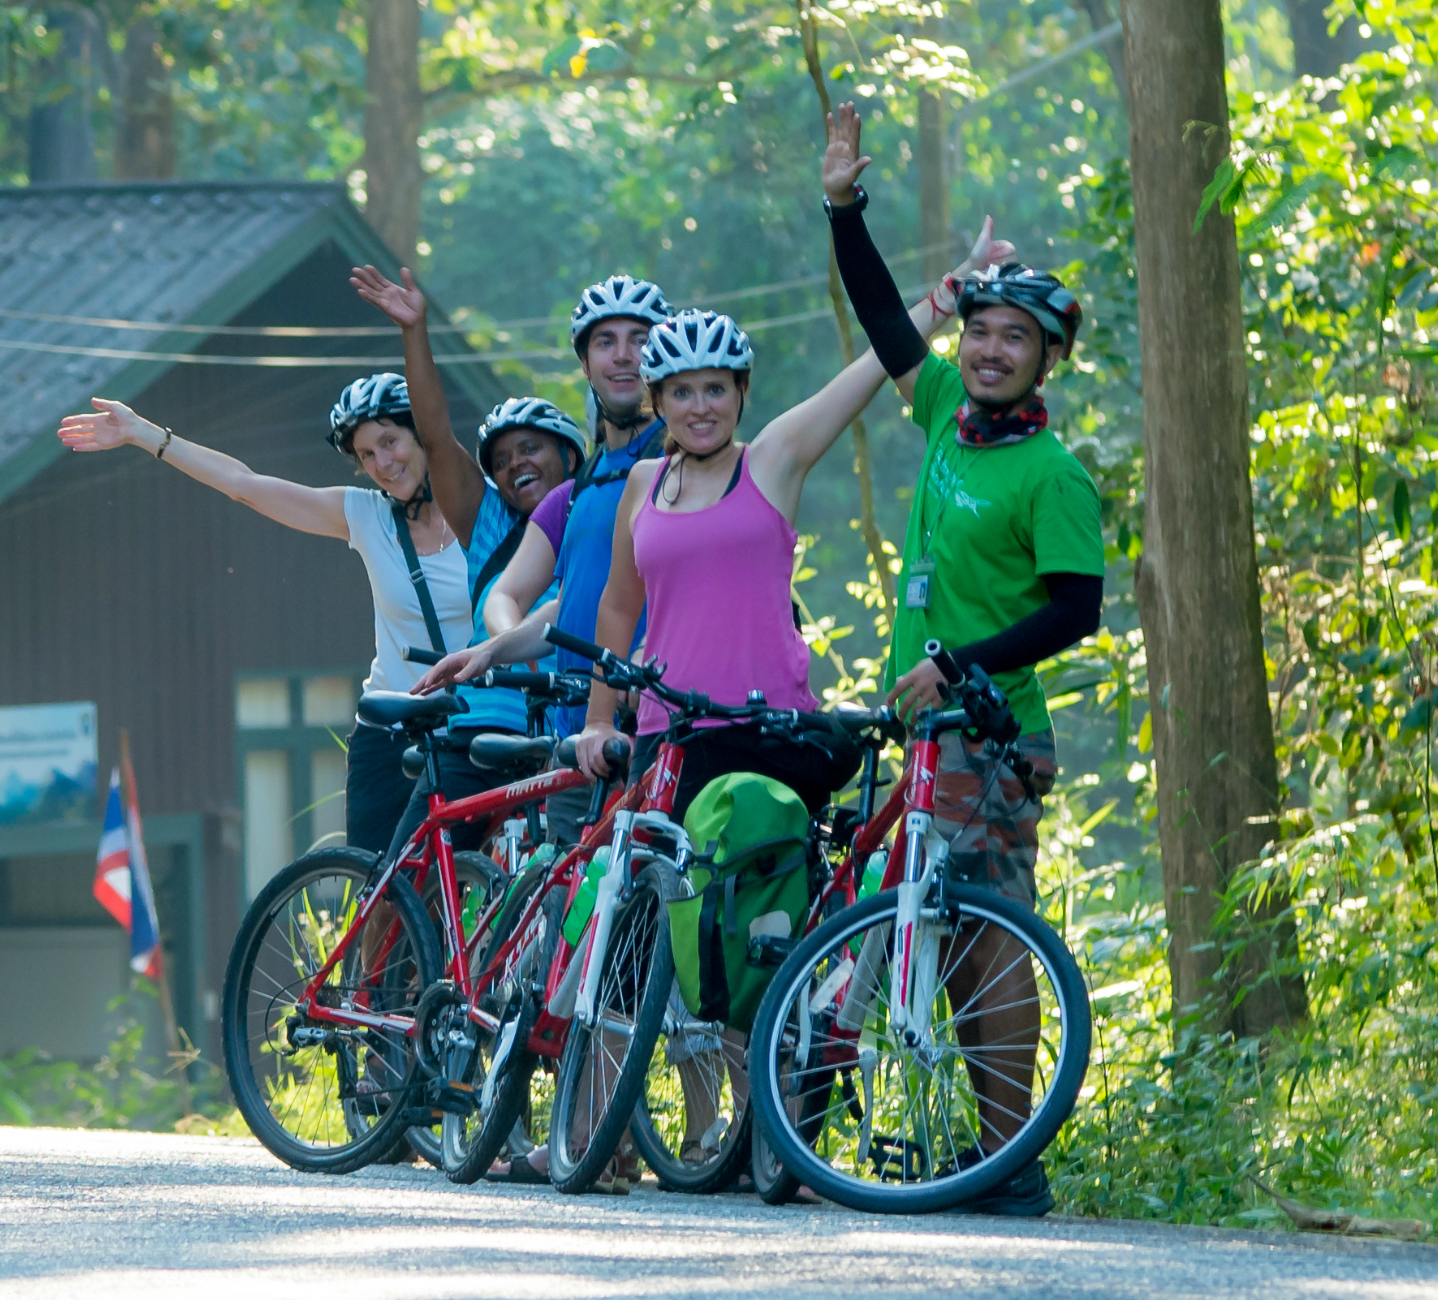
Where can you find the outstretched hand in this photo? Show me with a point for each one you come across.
(842, 161)
(109, 425)
(403, 304)
(987, 251)
(460, 666)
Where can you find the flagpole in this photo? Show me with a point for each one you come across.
(167, 1005)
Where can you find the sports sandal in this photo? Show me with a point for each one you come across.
(1024, 1196)
(611, 1182)
(519, 1171)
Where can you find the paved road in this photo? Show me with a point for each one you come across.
(117, 1215)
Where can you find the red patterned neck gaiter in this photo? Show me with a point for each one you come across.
(981, 428)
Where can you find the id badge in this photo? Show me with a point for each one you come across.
(917, 589)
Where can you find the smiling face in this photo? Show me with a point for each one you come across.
(611, 364)
(526, 464)
(701, 407)
(391, 455)
(1000, 352)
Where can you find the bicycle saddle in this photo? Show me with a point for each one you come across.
(413, 712)
(510, 753)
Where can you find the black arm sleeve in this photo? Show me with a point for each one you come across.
(882, 315)
(1073, 612)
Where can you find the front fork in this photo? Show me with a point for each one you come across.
(913, 969)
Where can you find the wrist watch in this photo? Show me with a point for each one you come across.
(861, 201)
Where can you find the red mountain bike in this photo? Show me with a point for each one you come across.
(330, 963)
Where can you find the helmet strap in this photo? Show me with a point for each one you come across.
(635, 421)
(418, 501)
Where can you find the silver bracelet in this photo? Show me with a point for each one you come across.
(160, 455)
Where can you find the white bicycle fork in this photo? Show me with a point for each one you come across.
(913, 970)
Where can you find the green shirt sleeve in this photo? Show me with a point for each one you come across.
(938, 393)
(1067, 531)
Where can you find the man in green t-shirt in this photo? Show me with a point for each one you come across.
(1003, 568)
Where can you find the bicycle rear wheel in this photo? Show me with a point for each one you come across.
(325, 1098)
(604, 1065)
(498, 1065)
(478, 877)
(692, 1121)
(941, 1113)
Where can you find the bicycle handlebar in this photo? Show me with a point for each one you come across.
(616, 753)
(417, 656)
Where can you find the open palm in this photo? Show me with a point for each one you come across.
(402, 303)
(842, 160)
(109, 425)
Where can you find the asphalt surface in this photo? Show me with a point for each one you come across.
(159, 1216)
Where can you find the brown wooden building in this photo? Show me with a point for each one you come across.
(229, 647)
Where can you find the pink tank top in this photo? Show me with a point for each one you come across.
(720, 614)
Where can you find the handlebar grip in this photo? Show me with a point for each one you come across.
(574, 644)
(415, 655)
(518, 680)
(616, 753)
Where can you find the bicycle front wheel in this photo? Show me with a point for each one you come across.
(326, 1098)
(604, 1065)
(974, 1083)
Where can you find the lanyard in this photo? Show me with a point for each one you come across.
(962, 470)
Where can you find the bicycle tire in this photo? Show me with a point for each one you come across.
(772, 1181)
(633, 989)
(900, 1183)
(470, 869)
(468, 1152)
(729, 1149)
(255, 1022)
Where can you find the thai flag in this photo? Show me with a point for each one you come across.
(122, 878)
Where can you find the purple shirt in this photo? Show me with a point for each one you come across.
(551, 513)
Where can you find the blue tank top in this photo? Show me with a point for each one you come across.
(582, 565)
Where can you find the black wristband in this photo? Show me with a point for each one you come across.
(861, 201)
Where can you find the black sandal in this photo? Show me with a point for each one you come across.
(519, 1171)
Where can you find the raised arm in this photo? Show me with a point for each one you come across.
(457, 481)
(900, 337)
(307, 509)
(525, 579)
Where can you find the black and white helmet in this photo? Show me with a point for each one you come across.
(1013, 284)
(527, 413)
(619, 295)
(366, 399)
(694, 340)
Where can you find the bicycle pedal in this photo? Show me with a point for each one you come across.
(456, 1098)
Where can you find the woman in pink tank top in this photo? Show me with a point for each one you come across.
(707, 536)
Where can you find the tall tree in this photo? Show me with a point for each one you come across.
(1315, 52)
(1101, 16)
(145, 130)
(393, 119)
(62, 142)
(1198, 579)
(934, 235)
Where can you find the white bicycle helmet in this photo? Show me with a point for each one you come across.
(619, 295)
(528, 413)
(366, 399)
(694, 340)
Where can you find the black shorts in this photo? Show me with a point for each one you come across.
(376, 790)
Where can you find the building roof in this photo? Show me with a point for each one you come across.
(182, 255)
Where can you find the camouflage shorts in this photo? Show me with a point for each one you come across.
(983, 810)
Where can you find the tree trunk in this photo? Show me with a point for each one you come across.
(393, 118)
(1315, 52)
(1101, 16)
(934, 236)
(145, 132)
(1198, 579)
(62, 143)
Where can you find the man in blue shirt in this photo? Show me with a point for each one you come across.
(527, 447)
(608, 329)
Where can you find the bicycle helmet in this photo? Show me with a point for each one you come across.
(1042, 295)
(619, 295)
(694, 340)
(528, 413)
(366, 399)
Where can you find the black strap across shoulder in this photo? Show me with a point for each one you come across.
(733, 481)
(587, 478)
(498, 561)
(416, 576)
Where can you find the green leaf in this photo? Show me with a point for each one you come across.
(1402, 510)
(1285, 207)
(1217, 188)
(606, 56)
(557, 60)
(1395, 161)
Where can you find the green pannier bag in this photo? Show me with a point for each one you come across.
(753, 832)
